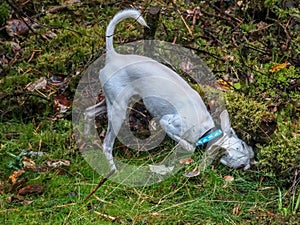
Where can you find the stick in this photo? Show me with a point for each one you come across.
(100, 184)
(182, 18)
(105, 216)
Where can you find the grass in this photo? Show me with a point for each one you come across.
(208, 199)
(29, 122)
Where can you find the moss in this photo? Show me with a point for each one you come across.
(247, 116)
(275, 135)
(4, 12)
(281, 155)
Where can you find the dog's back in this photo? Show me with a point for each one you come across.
(162, 90)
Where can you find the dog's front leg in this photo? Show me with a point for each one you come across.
(108, 146)
(171, 123)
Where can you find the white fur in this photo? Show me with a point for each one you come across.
(180, 109)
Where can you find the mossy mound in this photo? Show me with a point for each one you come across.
(274, 135)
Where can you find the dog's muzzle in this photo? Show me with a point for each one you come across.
(238, 155)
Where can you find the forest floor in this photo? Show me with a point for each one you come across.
(251, 47)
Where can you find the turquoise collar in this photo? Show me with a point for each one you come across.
(209, 137)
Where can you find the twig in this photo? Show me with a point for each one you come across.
(227, 14)
(182, 18)
(106, 216)
(219, 17)
(100, 184)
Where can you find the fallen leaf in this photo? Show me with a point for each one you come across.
(26, 202)
(37, 85)
(31, 189)
(14, 176)
(14, 198)
(224, 85)
(28, 163)
(19, 199)
(17, 27)
(57, 80)
(229, 58)
(278, 67)
(57, 163)
(193, 173)
(228, 178)
(185, 161)
(61, 103)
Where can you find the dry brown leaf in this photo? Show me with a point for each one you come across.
(37, 85)
(223, 85)
(28, 163)
(61, 103)
(278, 67)
(185, 161)
(31, 189)
(228, 178)
(14, 176)
(17, 27)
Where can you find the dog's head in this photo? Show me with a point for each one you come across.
(237, 154)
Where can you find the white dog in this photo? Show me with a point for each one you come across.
(179, 108)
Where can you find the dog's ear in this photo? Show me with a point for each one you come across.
(225, 123)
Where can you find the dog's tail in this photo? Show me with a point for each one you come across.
(120, 16)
